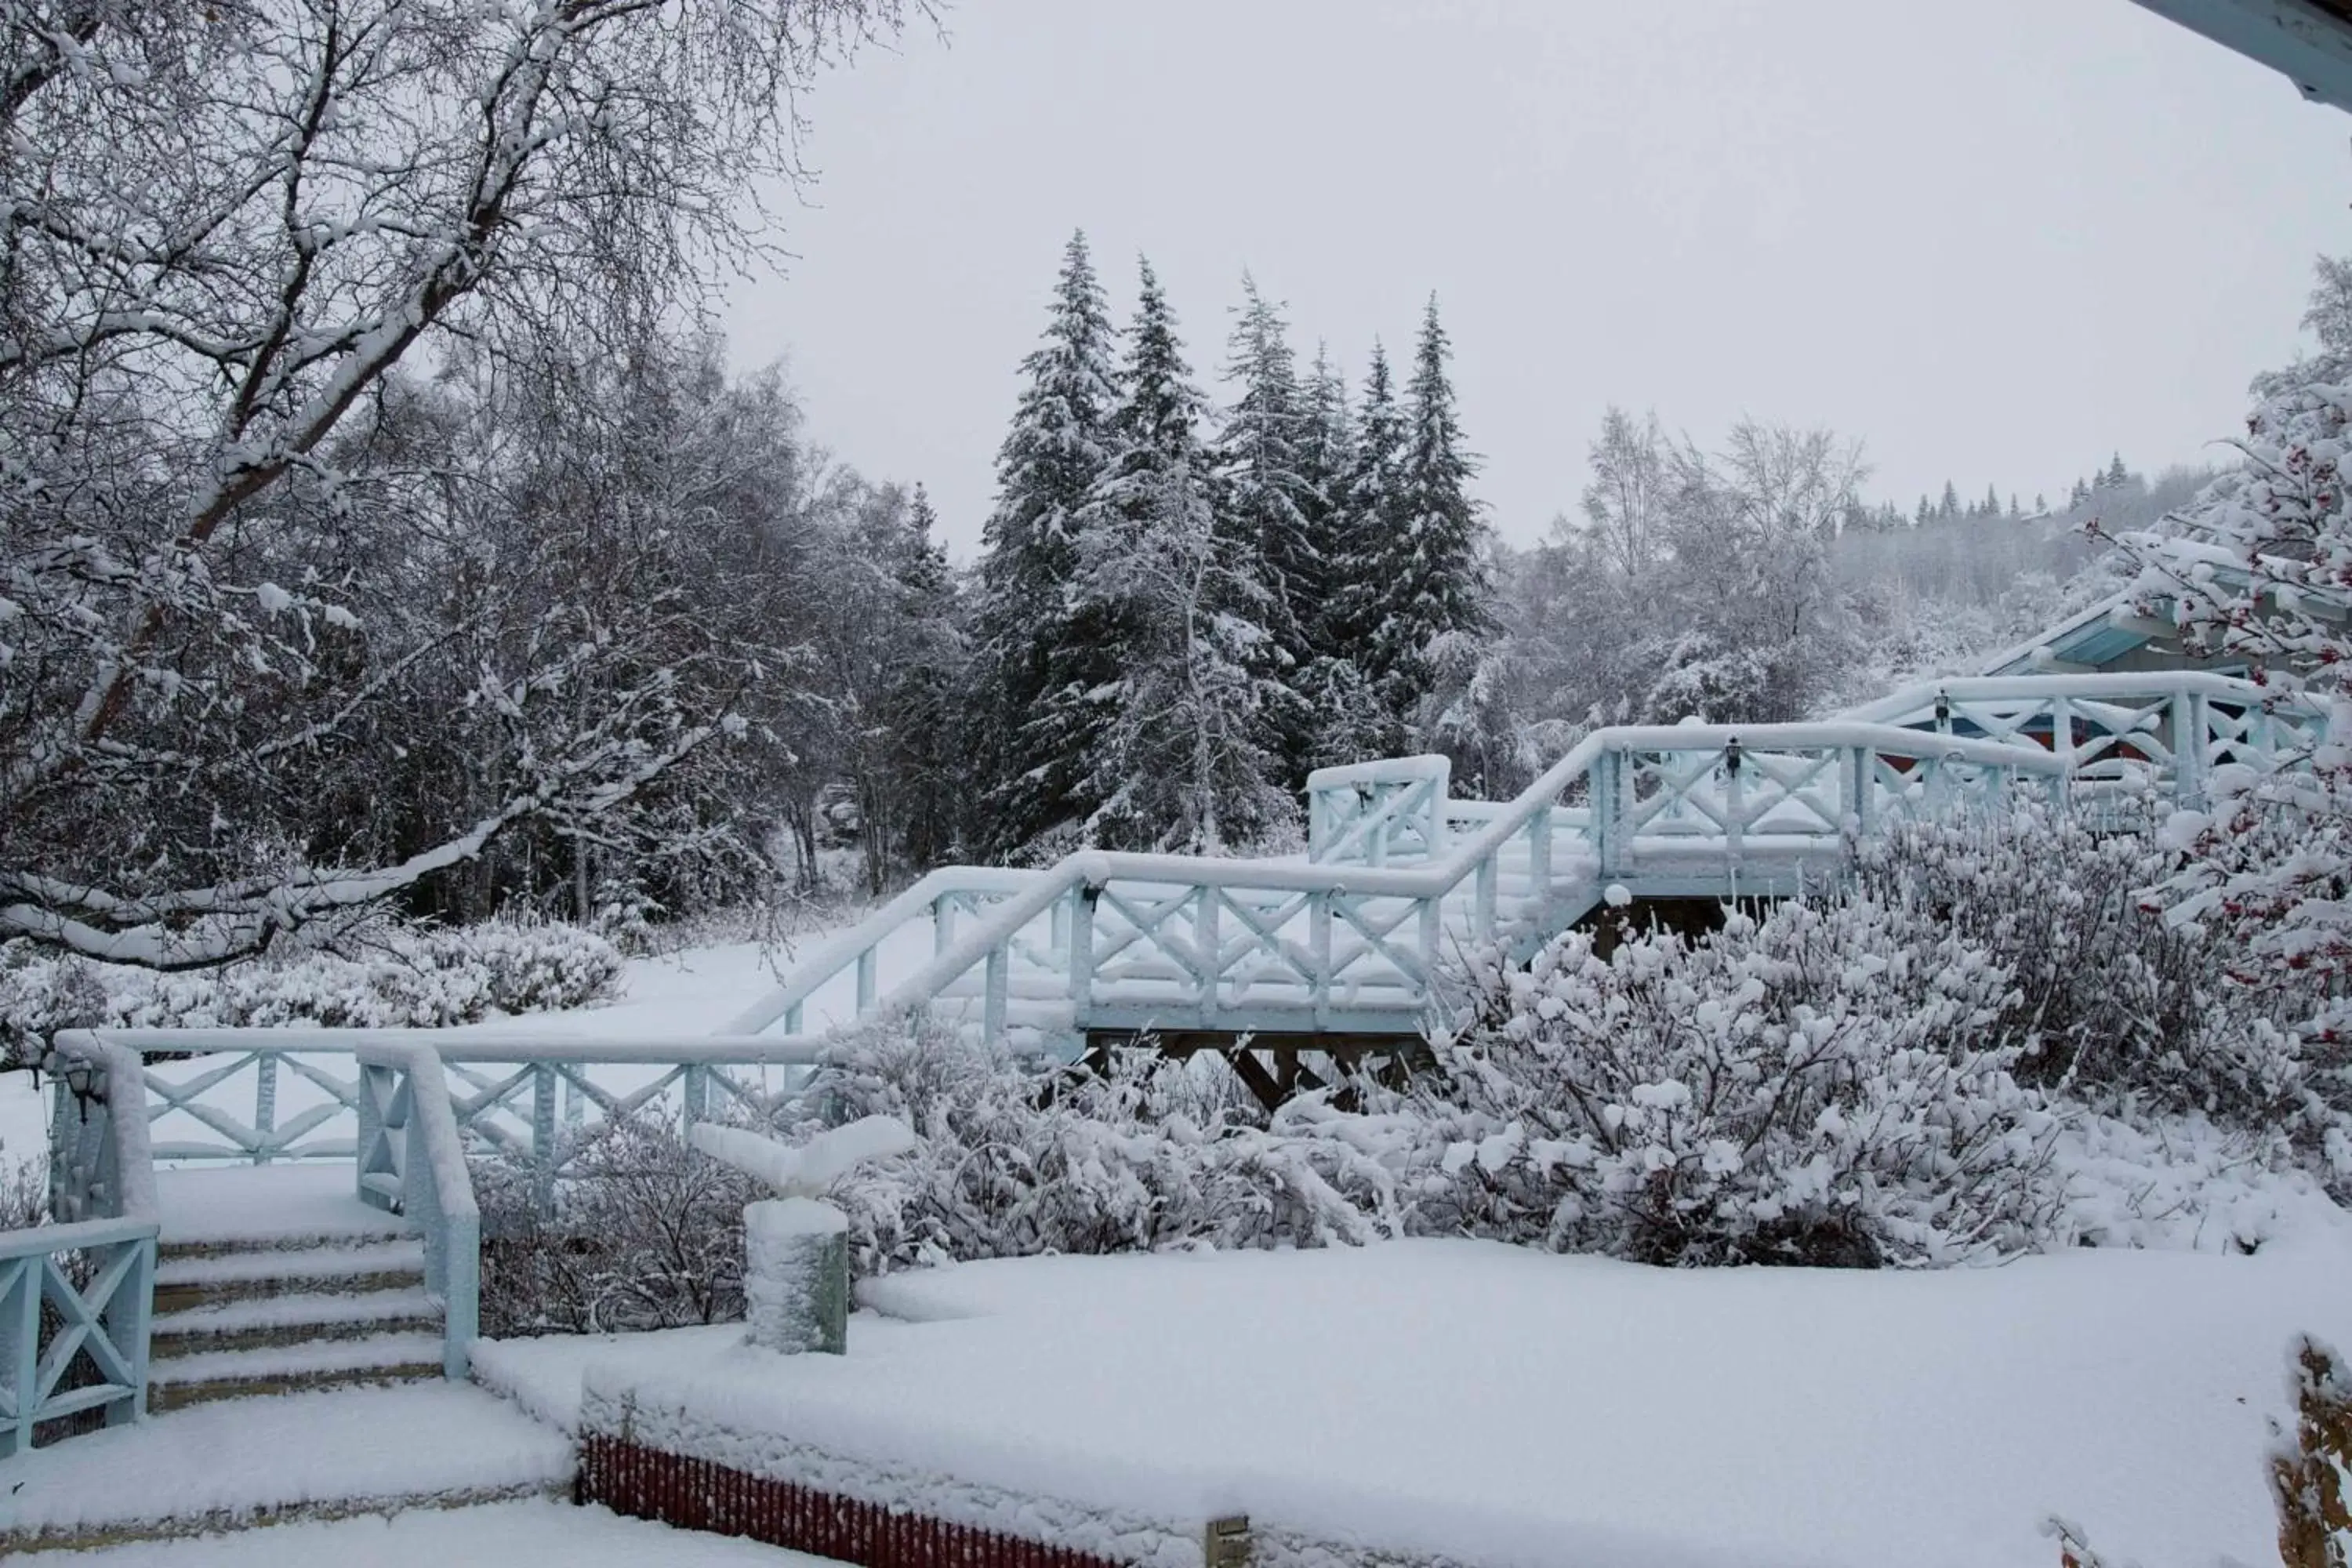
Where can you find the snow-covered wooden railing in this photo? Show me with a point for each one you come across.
(263, 1096)
(103, 1189)
(1372, 814)
(412, 1162)
(2165, 728)
(1108, 942)
(406, 1106)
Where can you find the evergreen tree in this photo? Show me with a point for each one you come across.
(923, 701)
(1326, 457)
(1182, 759)
(1028, 642)
(1429, 565)
(1366, 512)
(1926, 513)
(1950, 507)
(2080, 495)
(2118, 476)
(1265, 497)
(2040, 504)
(1992, 501)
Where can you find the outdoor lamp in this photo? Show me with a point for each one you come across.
(1943, 708)
(1731, 756)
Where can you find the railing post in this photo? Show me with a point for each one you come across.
(542, 1137)
(1432, 930)
(1734, 805)
(994, 986)
(694, 1090)
(1607, 765)
(866, 963)
(125, 1321)
(793, 1019)
(1482, 899)
(1082, 953)
(1539, 854)
(265, 1103)
(20, 1347)
(942, 924)
(1318, 942)
(1862, 784)
(1208, 940)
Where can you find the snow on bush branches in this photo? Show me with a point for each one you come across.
(2259, 569)
(1824, 1085)
(385, 977)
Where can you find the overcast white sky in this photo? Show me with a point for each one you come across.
(1995, 239)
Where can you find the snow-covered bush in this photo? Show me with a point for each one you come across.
(1145, 1154)
(385, 976)
(1827, 1085)
(2112, 1004)
(644, 1234)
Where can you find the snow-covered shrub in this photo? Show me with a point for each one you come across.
(2120, 1010)
(1826, 1086)
(2110, 1002)
(42, 992)
(644, 1234)
(1147, 1154)
(383, 976)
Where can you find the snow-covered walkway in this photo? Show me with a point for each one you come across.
(1509, 1407)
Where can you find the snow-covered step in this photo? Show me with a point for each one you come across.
(241, 1208)
(280, 1369)
(310, 1456)
(186, 1282)
(289, 1320)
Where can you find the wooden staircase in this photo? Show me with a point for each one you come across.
(254, 1298)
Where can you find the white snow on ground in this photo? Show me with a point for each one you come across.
(1502, 1406)
(246, 1455)
(24, 1120)
(534, 1535)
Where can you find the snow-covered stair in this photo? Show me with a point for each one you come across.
(274, 1279)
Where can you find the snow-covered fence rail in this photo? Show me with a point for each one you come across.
(2167, 729)
(1118, 943)
(264, 1096)
(76, 1298)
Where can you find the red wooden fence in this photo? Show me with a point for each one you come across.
(699, 1494)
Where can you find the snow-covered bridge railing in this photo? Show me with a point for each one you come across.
(2166, 729)
(76, 1298)
(1352, 940)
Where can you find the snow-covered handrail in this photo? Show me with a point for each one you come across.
(412, 1160)
(457, 1046)
(1920, 697)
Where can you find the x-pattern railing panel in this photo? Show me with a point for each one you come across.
(102, 1322)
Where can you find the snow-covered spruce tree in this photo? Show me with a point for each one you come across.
(1365, 516)
(1264, 495)
(2259, 569)
(227, 228)
(1427, 570)
(921, 704)
(1173, 698)
(1822, 1088)
(1028, 642)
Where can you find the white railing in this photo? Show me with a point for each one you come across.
(94, 1273)
(412, 1162)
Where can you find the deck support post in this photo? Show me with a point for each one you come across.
(1540, 855)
